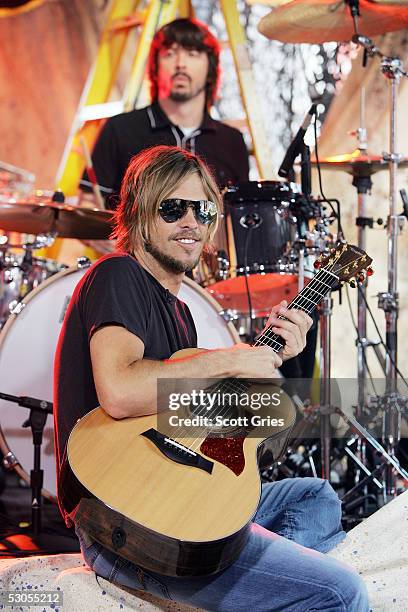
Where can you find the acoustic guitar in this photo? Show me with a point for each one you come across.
(177, 503)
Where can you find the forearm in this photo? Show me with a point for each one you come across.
(136, 385)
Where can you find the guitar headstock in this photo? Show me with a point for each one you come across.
(347, 262)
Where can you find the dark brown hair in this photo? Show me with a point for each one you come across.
(190, 34)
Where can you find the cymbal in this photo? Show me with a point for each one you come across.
(26, 218)
(83, 223)
(33, 217)
(357, 164)
(318, 21)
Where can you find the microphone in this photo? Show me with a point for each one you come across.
(295, 146)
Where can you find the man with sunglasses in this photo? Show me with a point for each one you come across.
(123, 323)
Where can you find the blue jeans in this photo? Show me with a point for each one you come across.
(280, 568)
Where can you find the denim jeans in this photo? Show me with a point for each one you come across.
(282, 567)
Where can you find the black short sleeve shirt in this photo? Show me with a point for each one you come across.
(221, 146)
(115, 291)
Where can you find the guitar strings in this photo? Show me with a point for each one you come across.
(229, 385)
(274, 340)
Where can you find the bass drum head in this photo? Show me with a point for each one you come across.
(27, 346)
(212, 330)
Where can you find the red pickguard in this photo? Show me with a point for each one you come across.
(228, 451)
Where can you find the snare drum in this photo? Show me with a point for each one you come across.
(18, 277)
(27, 346)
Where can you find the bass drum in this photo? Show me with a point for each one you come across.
(27, 346)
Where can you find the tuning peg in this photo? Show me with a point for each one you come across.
(317, 264)
(353, 283)
(370, 271)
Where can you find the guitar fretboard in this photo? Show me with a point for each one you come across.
(306, 300)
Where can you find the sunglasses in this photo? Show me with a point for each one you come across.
(173, 209)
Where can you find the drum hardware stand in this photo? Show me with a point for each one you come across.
(388, 459)
(388, 301)
(46, 543)
(309, 417)
(363, 183)
(39, 410)
(325, 312)
(250, 222)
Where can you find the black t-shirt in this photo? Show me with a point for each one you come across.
(221, 146)
(116, 290)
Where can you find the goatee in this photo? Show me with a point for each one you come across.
(171, 264)
(184, 96)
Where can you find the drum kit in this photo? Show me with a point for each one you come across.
(272, 233)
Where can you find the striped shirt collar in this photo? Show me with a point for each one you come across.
(159, 120)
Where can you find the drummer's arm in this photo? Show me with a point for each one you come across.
(102, 247)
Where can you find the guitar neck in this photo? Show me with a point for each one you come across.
(307, 300)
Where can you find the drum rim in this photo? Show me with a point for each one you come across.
(27, 299)
(4, 447)
(213, 302)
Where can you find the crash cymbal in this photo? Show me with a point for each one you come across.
(26, 217)
(357, 164)
(318, 21)
(83, 223)
(33, 217)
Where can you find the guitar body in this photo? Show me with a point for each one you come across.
(184, 519)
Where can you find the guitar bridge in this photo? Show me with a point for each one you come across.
(177, 452)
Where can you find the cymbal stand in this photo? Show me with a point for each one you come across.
(391, 402)
(325, 409)
(363, 183)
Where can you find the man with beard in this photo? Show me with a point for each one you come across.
(123, 323)
(183, 70)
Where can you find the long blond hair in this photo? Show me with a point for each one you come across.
(150, 178)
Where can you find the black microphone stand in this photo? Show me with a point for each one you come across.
(47, 542)
(39, 410)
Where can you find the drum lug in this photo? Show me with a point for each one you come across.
(10, 461)
(83, 262)
(227, 315)
(16, 307)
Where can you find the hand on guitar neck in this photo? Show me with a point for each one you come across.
(292, 326)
